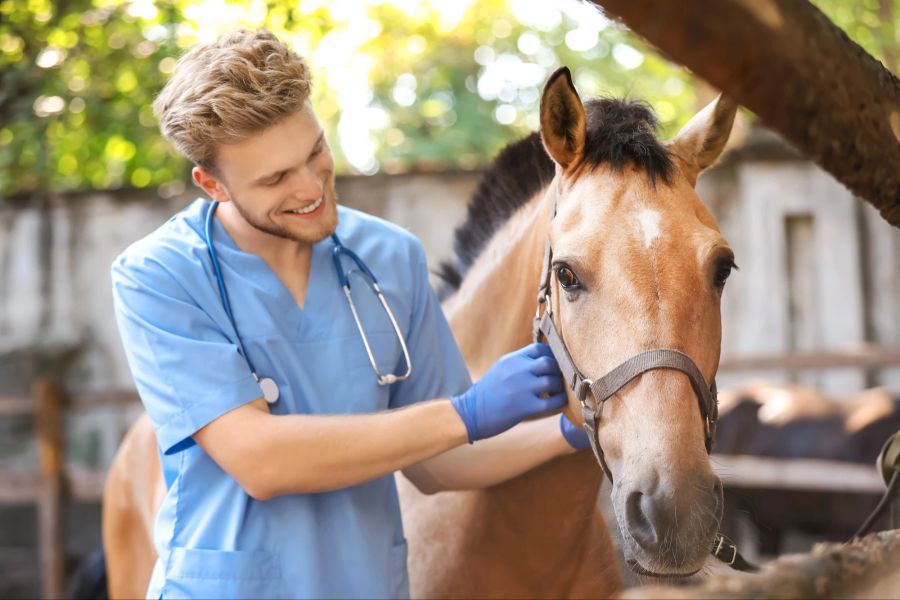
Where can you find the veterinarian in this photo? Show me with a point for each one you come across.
(283, 390)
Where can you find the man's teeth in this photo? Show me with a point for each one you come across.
(308, 209)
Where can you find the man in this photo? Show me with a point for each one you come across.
(276, 437)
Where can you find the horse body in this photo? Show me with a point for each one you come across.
(787, 420)
(132, 495)
(520, 539)
(791, 421)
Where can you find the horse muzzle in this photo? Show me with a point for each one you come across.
(668, 526)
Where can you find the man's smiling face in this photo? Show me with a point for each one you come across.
(281, 180)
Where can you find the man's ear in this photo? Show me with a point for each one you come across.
(563, 124)
(700, 142)
(210, 184)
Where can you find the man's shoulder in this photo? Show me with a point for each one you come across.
(173, 245)
(356, 226)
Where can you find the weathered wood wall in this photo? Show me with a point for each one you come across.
(819, 270)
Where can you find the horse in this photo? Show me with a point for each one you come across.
(789, 420)
(638, 263)
(792, 421)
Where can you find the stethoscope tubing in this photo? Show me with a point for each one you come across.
(339, 249)
(220, 281)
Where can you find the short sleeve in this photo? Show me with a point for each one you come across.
(186, 369)
(439, 370)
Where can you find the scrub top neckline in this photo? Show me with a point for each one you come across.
(222, 237)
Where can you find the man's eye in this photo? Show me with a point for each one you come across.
(276, 181)
(317, 151)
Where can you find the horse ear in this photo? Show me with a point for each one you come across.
(700, 142)
(563, 125)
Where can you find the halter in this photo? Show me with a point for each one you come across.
(593, 393)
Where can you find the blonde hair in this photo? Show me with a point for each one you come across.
(224, 91)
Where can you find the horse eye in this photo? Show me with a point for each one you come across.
(567, 278)
(723, 270)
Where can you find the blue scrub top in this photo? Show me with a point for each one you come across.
(214, 540)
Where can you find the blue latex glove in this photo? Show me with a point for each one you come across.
(510, 391)
(576, 436)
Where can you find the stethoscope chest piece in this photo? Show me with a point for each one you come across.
(269, 389)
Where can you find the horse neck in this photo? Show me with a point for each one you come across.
(491, 314)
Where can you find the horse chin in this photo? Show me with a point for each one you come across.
(646, 564)
(637, 568)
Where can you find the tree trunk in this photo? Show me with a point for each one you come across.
(867, 568)
(802, 75)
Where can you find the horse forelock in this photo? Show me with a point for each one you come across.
(619, 133)
(622, 132)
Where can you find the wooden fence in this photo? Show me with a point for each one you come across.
(53, 485)
(867, 356)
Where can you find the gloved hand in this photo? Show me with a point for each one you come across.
(510, 391)
(576, 436)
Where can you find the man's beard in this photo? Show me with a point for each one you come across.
(313, 231)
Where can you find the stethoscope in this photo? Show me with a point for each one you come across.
(267, 384)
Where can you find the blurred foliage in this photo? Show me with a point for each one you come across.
(78, 77)
(399, 84)
(873, 24)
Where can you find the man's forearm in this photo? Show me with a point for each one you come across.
(492, 461)
(271, 455)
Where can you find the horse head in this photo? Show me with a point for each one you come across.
(638, 263)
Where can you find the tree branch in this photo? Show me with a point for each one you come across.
(801, 74)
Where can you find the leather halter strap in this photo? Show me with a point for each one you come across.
(592, 394)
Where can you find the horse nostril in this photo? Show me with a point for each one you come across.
(638, 522)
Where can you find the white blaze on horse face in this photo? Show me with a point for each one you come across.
(649, 220)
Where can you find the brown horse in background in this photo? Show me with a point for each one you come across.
(788, 421)
(638, 263)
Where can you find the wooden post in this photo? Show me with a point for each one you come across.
(49, 428)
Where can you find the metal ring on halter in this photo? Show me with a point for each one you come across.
(543, 301)
(537, 309)
(585, 391)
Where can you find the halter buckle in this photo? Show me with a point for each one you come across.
(723, 544)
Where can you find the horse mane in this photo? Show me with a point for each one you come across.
(619, 132)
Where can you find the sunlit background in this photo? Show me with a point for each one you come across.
(422, 93)
(400, 85)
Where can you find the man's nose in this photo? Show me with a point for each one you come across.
(308, 183)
